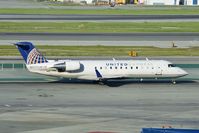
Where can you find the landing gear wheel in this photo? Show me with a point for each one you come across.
(173, 82)
(100, 82)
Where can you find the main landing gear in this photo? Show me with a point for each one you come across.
(100, 82)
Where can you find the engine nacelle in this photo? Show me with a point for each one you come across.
(67, 66)
(72, 65)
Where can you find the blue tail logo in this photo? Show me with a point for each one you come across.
(30, 54)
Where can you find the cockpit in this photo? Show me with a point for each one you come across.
(171, 65)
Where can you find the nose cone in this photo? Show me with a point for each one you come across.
(182, 72)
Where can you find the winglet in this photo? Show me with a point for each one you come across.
(98, 74)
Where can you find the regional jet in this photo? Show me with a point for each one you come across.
(98, 70)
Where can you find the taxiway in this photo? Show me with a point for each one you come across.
(92, 18)
(31, 103)
(110, 39)
(85, 107)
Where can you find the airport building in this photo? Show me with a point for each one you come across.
(171, 2)
(142, 2)
(159, 2)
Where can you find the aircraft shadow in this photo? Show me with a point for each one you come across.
(109, 83)
(118, 83)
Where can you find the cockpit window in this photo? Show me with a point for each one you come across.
(171, 65)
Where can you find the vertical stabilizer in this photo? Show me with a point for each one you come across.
(29, 53)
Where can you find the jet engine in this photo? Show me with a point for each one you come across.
(67, 66)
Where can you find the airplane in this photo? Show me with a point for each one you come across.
(98, 70)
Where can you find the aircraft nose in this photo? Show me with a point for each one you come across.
(182, 72)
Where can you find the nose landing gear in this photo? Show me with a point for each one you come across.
(173, 82)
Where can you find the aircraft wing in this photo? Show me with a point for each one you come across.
(99, 75)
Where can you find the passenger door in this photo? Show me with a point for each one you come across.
(158, 71)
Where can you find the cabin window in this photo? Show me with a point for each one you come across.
(120, 67)
(125, 67)
(171, 65)
(131, 67)
(95, 67)
(115, 67)
(136, 67)
(110, 67)
(100, 67)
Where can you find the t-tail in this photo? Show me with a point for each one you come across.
(30, 54)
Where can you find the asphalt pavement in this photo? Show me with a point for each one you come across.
(20, 4)
(110, 39)
(86, 107)
(32, 103)
(102, 36)
(82, 17)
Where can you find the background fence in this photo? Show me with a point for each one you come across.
(12, 66)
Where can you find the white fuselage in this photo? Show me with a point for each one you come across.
(110, 69)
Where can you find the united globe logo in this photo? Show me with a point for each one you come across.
(35, 57)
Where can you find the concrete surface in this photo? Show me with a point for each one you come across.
(111, 39)
(85, 107)
(94, 18)
(73, 106)
(20, 4)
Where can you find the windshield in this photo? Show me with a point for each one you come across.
(171, 65)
